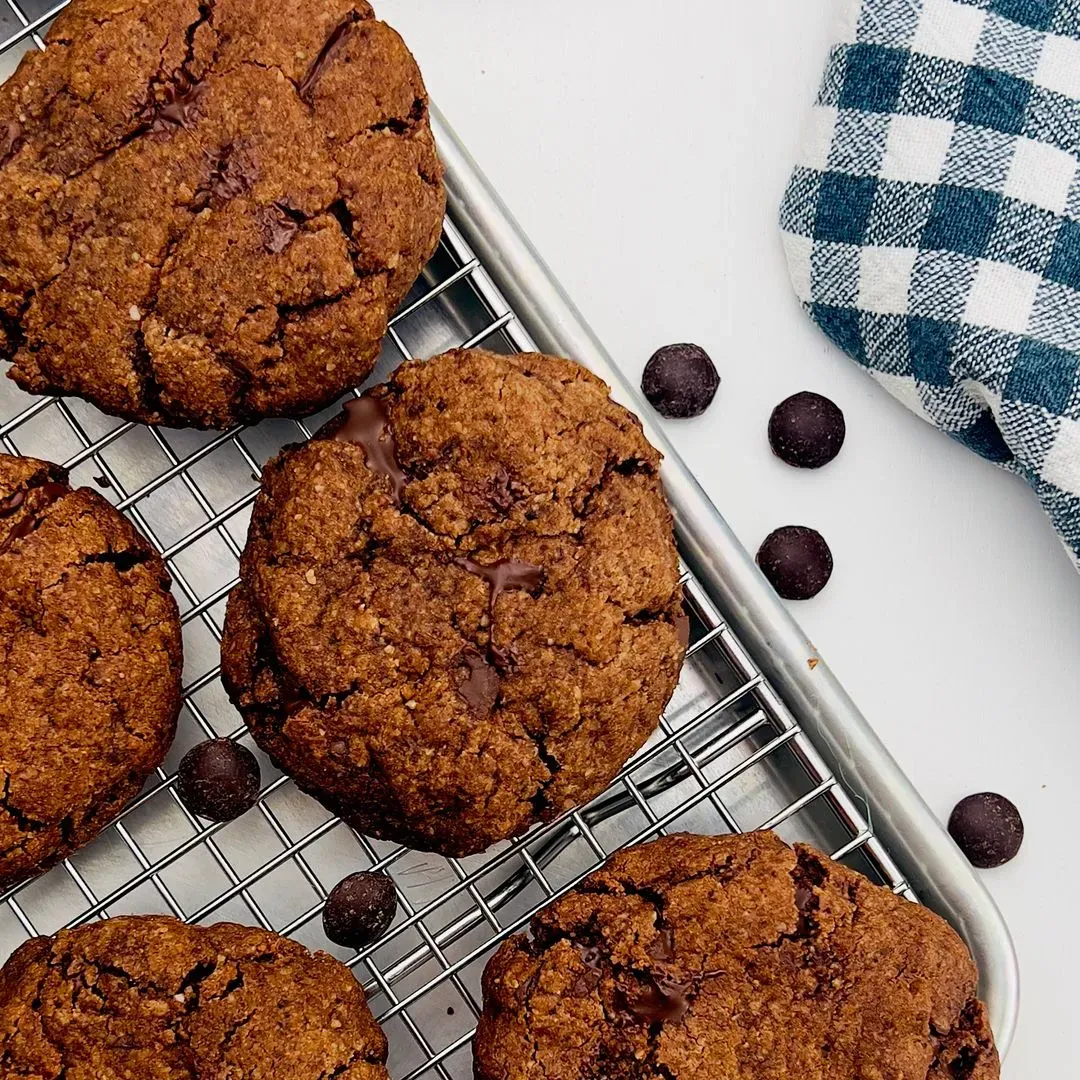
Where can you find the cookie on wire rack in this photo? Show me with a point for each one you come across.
(460, 610)
(697, 957)
(151, 997)
(90, 665)
(209, 210)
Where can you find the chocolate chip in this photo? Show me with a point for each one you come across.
(797, 562)
(367, 424)
(182, 103)
(500, 492)
(987, 828)
(360, 909)
(43, 497)
(590, 979)
(477, 681)
(12, 503)
(326, 55)
(662, 948)
(506, 575)
(680, 381)
(806, 430)
(10, 141)
(233, 174)
(661, 1000)
(279, 227)
(219, 780)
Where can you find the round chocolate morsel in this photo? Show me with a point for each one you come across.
(797, 561)
(360, 909)
(680, 381)
(987, 828)
(807, 430)
(219, 780)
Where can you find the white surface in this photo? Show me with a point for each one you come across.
(645, 147)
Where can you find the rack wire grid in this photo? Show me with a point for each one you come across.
(728, 754)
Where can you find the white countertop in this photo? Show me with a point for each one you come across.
(645, 146)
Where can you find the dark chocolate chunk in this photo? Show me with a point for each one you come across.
(806, 430)
(499, 491)
(804, 897)
(368, 425)
(42, 497)
(506, 575)
(503, 657)
(477, 681)
(680, 381)
(326, 55)
(360, 909)
(219, 780)
(987, 828)
(797, 562)
(279, 225)
(182, 103)
(234, 174)
(10, 141)
(593, 959)
(661, 1000)
(49, 492)
(663, 948)
(12, 503)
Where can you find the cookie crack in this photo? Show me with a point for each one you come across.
(333, 42)
(51, 492)
(959, 1052)
(348, 1063)
(807, 876)
(25, 822)
(233, 1030)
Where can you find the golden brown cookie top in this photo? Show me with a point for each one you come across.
(151, 997)
(460, 607)
(701, 957)
(210, 210)
(90, 662)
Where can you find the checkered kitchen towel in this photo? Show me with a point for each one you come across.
(932, 226)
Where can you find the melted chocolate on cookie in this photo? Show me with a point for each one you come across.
(477, 681)
(323, 60)
(50, 492)
(367, 424)
(506, 575)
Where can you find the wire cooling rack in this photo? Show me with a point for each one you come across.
(728, 754)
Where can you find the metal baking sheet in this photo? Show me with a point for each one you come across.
(759, 733)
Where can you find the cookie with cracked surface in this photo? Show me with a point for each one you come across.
(89, 665)
(733, 956)
(151, 997)
(210, 208)
(459, 610)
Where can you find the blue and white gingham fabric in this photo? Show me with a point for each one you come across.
(932, 226)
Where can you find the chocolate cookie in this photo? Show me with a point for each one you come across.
(459, 609)
(733, 956)
(210, 209)
(89, 665)
(151, 997)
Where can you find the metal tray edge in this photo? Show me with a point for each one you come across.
(932, 863)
